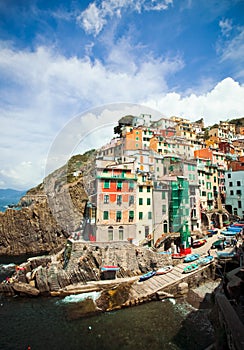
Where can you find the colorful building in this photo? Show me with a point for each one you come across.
(115, 201)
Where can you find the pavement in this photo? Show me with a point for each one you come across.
(203, 250)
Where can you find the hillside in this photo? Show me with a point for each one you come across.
(50, 211)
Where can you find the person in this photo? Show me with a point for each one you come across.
(209, 252)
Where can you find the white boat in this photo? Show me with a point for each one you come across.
(164, 270)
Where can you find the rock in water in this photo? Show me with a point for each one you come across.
(25, 288)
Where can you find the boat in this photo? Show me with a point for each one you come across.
(205, 260)
(229, 233)
(191, 257)
(147, 275)
(226, 255)
(178, 256)
(164, 270)
(198, 243)
(213, 231)
(190, 268)
(110, 268)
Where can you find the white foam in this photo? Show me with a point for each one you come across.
(76, 298)
(7, 266)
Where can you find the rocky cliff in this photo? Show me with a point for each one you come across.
(49, 212)
(78, 264)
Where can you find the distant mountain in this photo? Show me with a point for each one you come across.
(9, 197)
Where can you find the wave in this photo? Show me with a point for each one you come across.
(76, 298)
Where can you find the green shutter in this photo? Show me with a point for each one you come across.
(106, 183)
(105, 215)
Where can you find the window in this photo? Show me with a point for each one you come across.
(118, 216)
(230, 184)
(239, 204)
(229, 176)
(119, 199)
(238, 183)
(163, 208)
(208, 185)
(238, 192)
(131, 186)
(148, 188)
(231, 192)
(140, 215)
(140, 189)
(149, 215)
(140, 201)
(203, 193)
(165, 226)
(105, 215)
(106, 183)
(131, 200)
(119, 185)
(106, 199)
(121, 233)
(163, 195)
(110, 233)
(131, 215)
(148, 201)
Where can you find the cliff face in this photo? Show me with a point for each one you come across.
(29, 230)
(49, 212)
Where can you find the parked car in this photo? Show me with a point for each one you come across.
(219, 244)
(198, 243)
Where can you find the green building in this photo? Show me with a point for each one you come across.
(179, 211)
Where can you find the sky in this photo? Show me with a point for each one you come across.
(70, 69)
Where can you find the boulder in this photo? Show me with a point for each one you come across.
(41, 280)
(25, 288)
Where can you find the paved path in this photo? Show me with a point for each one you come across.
(157, 283)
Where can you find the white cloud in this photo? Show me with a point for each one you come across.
(42, 90)
(223, 102)
(231, 47)
(225, 26)
(95, 17)
(234, 48)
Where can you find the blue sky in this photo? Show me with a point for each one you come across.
(60, 60)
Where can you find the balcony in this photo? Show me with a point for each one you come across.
(117, 176)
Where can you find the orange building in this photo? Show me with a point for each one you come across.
(133, 139)
(237, 165)
(204, 153)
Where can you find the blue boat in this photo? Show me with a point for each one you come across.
(109, 268)
(147, 275)
(226, 255)
(191, 257)
(206, 260)
(229, 233)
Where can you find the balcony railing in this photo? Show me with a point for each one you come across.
(117, 176)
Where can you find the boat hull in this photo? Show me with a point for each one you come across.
(164, 270)
(147, 275)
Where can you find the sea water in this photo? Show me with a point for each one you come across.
(51, 323)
